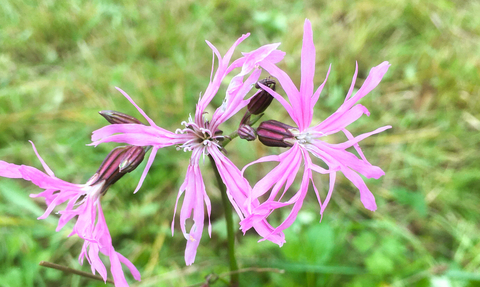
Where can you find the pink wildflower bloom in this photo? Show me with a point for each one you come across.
(83, 202)
(202, 137)
(305, 140)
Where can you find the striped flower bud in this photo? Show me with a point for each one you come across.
(115, 117)
(260, 102)
(274, 133)
(246, 132)
(119, 161)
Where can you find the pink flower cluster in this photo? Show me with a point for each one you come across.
(202, 137)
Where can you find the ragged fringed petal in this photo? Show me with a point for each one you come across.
(237, 89)
(252, 59)
(135, 134)
(347, 161)
(9, 170)
(234, 102)
(336, 123)
(96, 263)
(194, 200)
(357, 139)
(197, 206)
(307, 74)
(290, 110)
(374, 77)
(43, 180)
(366, 195)
(317, 93)
(294, 108)
(214, 85)
(135, 273)
(284, 172)
(85, 225)
(271, 204)
(238, 190)
(345, 158)
(104, 243)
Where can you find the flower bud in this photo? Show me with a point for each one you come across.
(115, 117)
(246, 132)
(274, 133)
(119, 161)
(262, 99)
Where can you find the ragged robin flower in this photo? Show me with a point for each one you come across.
(83, 201)
(304, 141)
(203, 137)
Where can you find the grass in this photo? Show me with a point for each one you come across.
(60, 62)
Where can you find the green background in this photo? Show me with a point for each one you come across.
(60, 62)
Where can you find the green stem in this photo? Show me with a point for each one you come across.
(73, 271)
(227, 207)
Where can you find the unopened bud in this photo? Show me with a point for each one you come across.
(115, 117)
(131, 159)
(274, 133)
(246, 132)
(119, 161)
(262, 99)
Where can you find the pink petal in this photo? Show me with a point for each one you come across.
(45, 166)
(9, 170)
(374, 77)
(95, 261)
(366, 196)
(238, 190)
(290, 110)
(235, 101)
(337, 122)
(348, 159)
(353, 82)
(130, 266)
(308, 72)
(152, 123)
(288, 87)
(319, 90)
(333, 175)
(147, 168)
(135, 134)
(359, 138)
(214, 85)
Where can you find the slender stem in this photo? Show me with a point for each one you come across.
(227, 207)
(73, 271)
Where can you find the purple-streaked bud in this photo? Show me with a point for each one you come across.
(119, 161)
(115, 117)
(274, 133)
(131, 159)
(246, 132)
(260, 102)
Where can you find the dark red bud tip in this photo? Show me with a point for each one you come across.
(261, 100)
(246, 132)
(266, 82)
(118, 162)
(274, 133)
(115, 117)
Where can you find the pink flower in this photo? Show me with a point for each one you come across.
(202, 137)
(305, 140)
(84, 203)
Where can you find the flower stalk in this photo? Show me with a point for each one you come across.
(227, 208)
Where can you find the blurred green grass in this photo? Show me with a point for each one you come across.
(60, 62)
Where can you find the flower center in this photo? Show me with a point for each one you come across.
(199, 136)
(306, 137)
